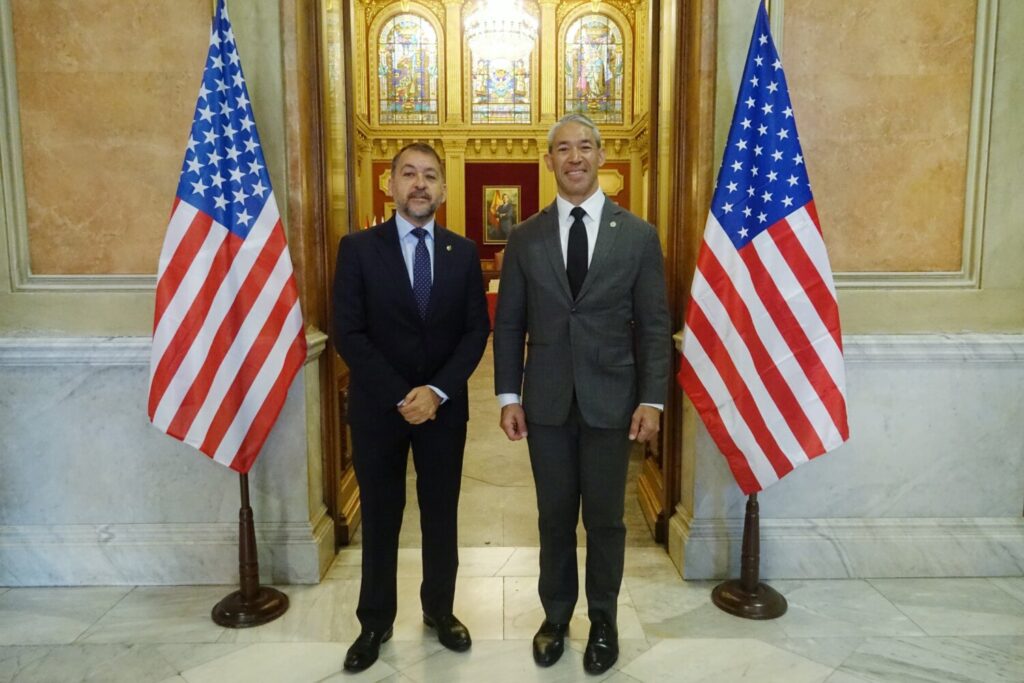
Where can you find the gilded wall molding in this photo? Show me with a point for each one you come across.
(627, 8)
(373, 8)
(641, 68)
(13, 203)
(496, 143)
(611, 180)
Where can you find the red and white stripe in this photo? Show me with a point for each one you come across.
(228, 335)
(762, 349)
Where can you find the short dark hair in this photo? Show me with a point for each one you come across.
(421, 147)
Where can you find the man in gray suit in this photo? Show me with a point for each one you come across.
(583, 289)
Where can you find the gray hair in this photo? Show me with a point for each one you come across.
(574, 118)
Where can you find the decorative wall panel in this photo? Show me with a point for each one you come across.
(103, 121)
(883, 93)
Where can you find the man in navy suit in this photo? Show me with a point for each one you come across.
(410, 320)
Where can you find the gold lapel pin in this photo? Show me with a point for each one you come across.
(448, 248)
(612, 224)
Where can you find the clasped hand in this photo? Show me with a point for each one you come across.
(419, 405)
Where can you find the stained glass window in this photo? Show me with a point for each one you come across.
(593, 69)
(501, 90)
(408, 71)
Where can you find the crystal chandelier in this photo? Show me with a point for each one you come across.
(500, 29)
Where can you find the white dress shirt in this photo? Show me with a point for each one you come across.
(592, 206)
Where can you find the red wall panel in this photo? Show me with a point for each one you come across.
(481, 174)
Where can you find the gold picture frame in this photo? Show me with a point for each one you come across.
(502, 209)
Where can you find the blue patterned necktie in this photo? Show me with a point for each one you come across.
(421, 280)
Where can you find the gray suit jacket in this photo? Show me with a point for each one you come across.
(613, 344)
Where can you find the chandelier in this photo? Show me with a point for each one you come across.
(500, 30)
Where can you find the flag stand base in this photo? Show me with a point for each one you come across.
(235, 611)
(252, 604)
(748, 597)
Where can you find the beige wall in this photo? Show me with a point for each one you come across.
(132, 108)
(884, 124)
(106, 91)
(905, 112)
(101, 97)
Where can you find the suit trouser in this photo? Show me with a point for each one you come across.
(380, 457)
(572, 463)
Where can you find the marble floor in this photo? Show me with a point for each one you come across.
(891, 630)
(896, 630)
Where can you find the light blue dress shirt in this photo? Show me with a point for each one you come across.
(408, 242)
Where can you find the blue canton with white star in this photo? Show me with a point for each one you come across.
(225, 174)
(763, 178)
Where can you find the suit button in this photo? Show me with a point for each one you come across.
(572, 310)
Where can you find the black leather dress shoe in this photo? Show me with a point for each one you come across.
(451, 632)
(602, 648)
(366, 649)
(549, 643)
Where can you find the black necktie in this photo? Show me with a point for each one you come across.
(421, 272)
(576, 253)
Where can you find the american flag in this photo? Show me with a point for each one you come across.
(228, 335)
(762, 349)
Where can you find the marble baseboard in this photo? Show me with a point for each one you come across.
(92, 494)
(852, 547)
(161, 554)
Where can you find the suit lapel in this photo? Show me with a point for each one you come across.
(607, 235)
(553, 248)
(394, 265)
(444, 274)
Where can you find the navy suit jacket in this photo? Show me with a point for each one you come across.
(378, 331)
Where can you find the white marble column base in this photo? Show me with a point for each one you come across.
(852, 548)
(160, 554)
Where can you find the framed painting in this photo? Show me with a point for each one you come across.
(501, 212)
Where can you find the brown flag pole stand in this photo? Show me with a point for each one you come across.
(252, 604)
(748, 598)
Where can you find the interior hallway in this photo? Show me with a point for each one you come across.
(498, 506)
(892, 630)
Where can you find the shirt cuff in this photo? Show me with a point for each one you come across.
(507, 399)
(659, 406)
(440, 394)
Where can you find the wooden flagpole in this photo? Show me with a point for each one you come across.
(748, 597)
(252, 604)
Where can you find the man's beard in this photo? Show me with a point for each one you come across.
(425, 212)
